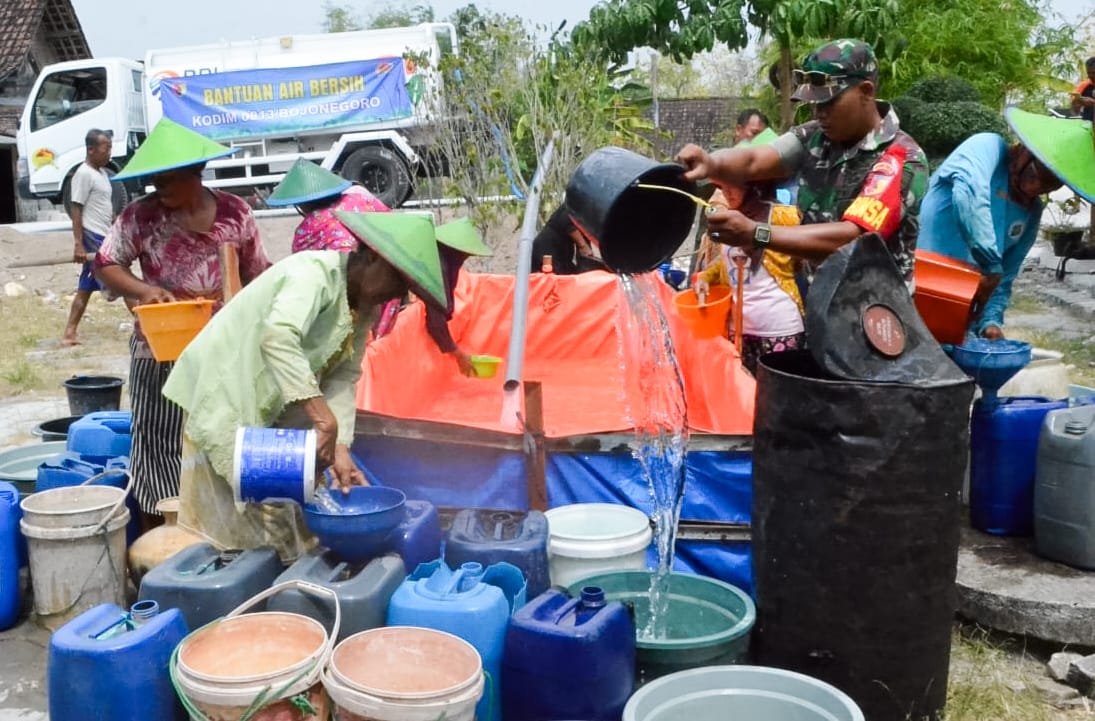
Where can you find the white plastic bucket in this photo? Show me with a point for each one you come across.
(224, 667)
(591, 538)
(1046, 375)
(270, 463)
(716, 693)
(75, 550)
(399, 673)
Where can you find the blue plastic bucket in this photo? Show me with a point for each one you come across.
(274, 463)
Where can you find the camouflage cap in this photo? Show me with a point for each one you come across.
(833, 68)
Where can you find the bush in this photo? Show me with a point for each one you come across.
(941, 127)
(944, 90)
(941, 112)
(906, 108)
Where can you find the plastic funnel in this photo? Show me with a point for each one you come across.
(991, 364)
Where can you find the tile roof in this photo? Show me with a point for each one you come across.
(54, 21)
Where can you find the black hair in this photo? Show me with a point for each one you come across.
(1089, 62)
(745, 115)
(92, 138)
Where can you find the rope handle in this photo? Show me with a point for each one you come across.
(304, 587)
(121, 500)
(267, 693)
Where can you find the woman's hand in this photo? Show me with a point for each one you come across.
(992, 332)
(344, 472)
(464, 361)
(701, 287)
(154, 294)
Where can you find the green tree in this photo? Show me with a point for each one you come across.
(505, 95)
(682, 28)
(667, 78)
(340, 18)
(398, 15)
(1006, 49)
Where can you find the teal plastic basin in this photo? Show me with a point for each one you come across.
(19, 466)
(717, 693)
(709, 621)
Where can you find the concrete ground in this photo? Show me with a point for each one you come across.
(23, 648)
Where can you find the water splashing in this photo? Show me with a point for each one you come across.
(654, 396)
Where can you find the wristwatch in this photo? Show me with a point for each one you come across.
(762, 236)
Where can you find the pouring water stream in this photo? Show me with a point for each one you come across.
(654, 396)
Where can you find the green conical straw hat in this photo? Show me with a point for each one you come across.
(460, 234)
(764, 137)
(171, 146)
(306, 182)
(407, 242)
(1066, 147)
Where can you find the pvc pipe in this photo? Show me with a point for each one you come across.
(515, 359)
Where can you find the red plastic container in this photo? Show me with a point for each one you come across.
(945, 288)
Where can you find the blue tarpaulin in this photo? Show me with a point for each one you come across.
(718, 487)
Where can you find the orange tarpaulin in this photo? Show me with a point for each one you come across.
(571, 348)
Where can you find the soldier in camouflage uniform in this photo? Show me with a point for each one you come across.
(854, 169)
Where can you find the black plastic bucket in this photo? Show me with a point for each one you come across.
(88, 394)
(634, 229)
(55, 430)
(856, 514)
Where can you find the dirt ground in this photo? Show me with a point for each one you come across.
(992, 677)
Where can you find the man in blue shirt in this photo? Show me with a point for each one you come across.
(983, 203)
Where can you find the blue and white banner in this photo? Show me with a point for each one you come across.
(249, 103)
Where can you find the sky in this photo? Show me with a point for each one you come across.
(128, 28)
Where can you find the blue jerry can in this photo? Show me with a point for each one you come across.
(110, 665)
(205, 584)
(568, 658)
(10, 590)
(490, 536)
(418, 538)
(1003, 462)
(101, 435)
(472, 602)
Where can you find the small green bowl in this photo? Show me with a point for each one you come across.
(486, 366)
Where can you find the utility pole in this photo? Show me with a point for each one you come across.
(654, 86)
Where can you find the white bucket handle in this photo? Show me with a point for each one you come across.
(121, 499)
(303, 587)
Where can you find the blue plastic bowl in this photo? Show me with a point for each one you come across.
(363, 528)
(991, 363)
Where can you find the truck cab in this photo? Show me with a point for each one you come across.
(67, 100)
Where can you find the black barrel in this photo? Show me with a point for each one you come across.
(856, 514)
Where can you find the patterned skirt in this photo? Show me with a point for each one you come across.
(753, 347)
(157, 433)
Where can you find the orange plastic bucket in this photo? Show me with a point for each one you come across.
(169, 327)
(707, 320)
(945, 288)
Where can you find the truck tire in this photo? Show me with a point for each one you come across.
(119, 194)
(381, 171)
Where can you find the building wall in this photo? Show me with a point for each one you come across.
(698, 120)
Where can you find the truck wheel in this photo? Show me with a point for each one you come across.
(381, 171)
(119, 194)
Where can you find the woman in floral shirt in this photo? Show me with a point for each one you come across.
(176, 234)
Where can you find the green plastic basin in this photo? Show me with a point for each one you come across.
(709, 621)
